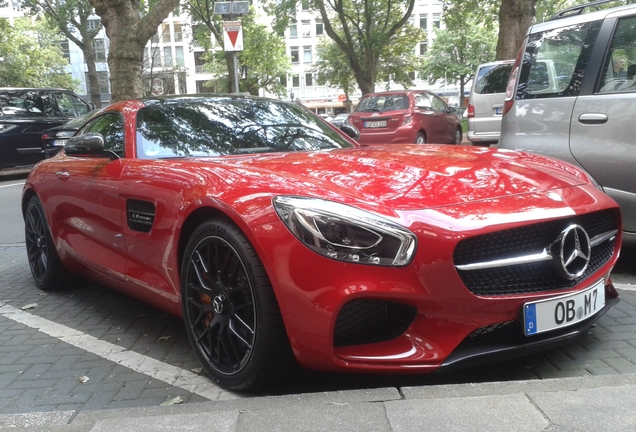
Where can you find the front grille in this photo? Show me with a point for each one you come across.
(364, 321)
(530, 239)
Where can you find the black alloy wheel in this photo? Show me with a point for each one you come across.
(46, 268)
(232, 317)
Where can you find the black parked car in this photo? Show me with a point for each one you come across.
(27, 112)
(54, 139)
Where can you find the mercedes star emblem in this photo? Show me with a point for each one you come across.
(574, 252)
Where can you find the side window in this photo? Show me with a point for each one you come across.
(70, 105)
(619, 73)
(23, 103)
(111, 127)
(438, 104)
(422, 101)
(555, 61)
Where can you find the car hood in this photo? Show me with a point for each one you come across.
(410, 177)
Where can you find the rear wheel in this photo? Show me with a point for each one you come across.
(231, 314)
(420, 138)
(45, 264)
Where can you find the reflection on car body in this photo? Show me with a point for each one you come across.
(279, 239)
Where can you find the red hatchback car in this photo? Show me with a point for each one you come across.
(406, 117)
(279, 239)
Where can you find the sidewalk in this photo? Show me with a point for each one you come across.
(597, 403)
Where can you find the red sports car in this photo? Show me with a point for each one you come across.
(277, 238)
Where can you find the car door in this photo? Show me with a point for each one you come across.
(446, 122)
(88, 209)
(602, 128)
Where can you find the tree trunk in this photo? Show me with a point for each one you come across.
(128, 32)
(515, 16)
(91, 68)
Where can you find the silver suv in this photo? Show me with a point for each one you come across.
(572, 95)
(485, 105)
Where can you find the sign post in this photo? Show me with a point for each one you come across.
(232, 30)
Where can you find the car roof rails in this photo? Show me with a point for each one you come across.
(578, 10)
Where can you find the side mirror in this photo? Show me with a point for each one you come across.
(350, 130)
(452, 109)
(85, 144)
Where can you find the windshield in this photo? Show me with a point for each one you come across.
(228, 126)
(383, 103)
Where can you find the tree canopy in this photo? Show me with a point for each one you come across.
(30, 56)
(456, 53)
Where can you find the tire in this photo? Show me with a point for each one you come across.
(45, 264)
(420, 138)
(457, 139)
(230, 310)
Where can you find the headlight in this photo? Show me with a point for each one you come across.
(345, 233)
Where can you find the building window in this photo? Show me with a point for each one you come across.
(307, 54)
(154, 39)
(102, 77)
(436, 20)
(165, 32)
(178, 33)
(412, 76)
(283, 80)
(319, 29)
(92, 24)
(423, 48)
(167, 57)
(293, 30)
(306, 28)
(99, 47)
(424, 22)
(202, 88)
(65, 49)
(294, 54)
(309, 80)
(179, 56)
(295, 81)
(304, 5)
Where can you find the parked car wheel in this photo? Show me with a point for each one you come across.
(231, 314)
(421, 138)
(458, 136)
(46, 268)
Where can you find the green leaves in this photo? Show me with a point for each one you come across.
(30, 56)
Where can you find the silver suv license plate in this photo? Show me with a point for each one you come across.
(558, 312)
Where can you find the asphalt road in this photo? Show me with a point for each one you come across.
(89, 347)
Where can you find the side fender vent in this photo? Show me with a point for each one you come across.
(141, 215)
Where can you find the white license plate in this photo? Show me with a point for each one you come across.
(375, 124)
(554, 313)
(499, 111)
(59, 142)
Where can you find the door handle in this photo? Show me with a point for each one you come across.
(63, 175)
(593, 118)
